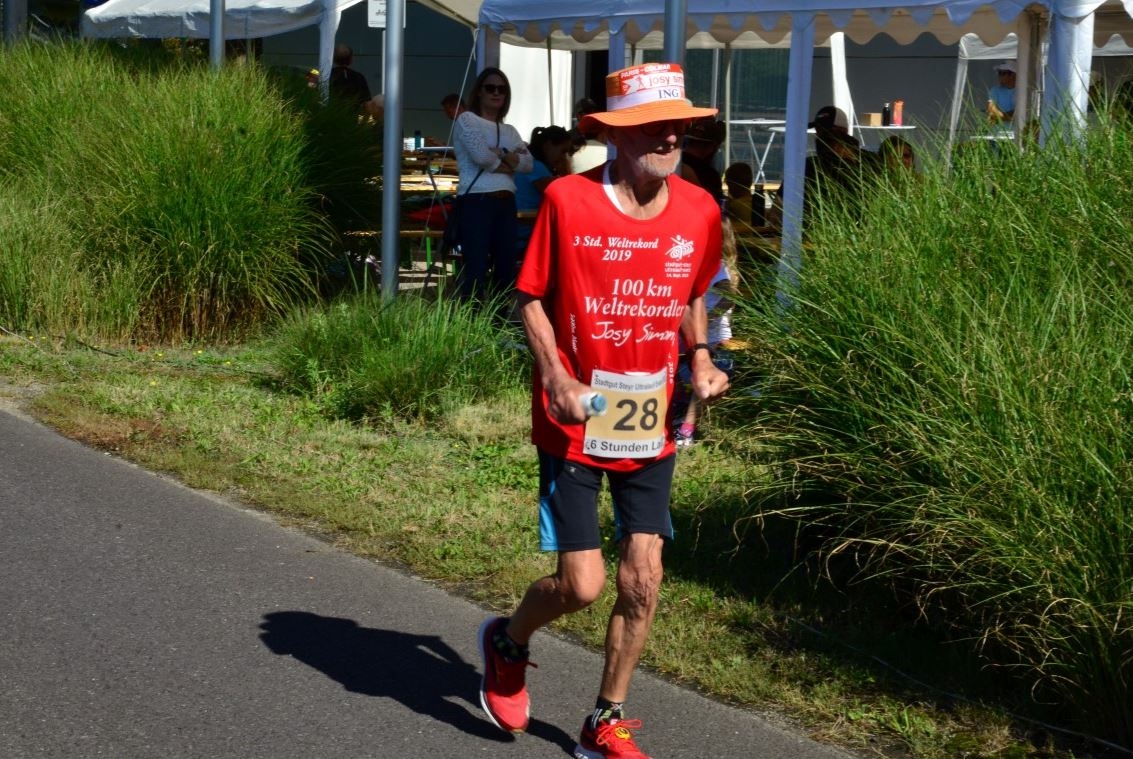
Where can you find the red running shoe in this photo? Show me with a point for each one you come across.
(612, 739)
(503, 688)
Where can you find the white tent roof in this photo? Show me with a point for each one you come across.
(721, 21)
(243, 19)
(972, 48)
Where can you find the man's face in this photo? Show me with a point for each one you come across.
(1007, 79)
(653, 148)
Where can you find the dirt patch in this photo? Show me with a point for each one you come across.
(15, 399)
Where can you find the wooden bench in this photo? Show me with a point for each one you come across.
(429, 240)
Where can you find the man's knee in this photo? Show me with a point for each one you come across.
(580, 583)
(640, 571)
(578, 593)
(640, 585)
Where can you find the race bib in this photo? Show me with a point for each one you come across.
(634, 424)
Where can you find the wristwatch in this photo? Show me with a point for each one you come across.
(699, 347)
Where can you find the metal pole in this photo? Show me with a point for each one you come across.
(15, 20)
(216, 33)
(391, 148)
(675, 12)
(800, 69)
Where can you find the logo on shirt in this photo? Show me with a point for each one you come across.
(681, 248)
(679, 265)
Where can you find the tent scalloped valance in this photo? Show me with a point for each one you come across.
(520, 22)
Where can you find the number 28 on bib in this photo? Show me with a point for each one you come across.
(634, 426)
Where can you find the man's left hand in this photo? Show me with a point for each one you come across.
(708, 382)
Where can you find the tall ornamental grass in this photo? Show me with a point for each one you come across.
(949, 400)
(361, 358)
(176, 197)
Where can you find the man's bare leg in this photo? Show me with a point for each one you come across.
(639, 583)
(577, 582)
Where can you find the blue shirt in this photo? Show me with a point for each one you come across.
(527, 197)
(1003, 97)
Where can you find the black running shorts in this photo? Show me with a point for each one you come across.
(568, 502)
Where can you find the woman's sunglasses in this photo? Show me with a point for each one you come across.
(494, 89)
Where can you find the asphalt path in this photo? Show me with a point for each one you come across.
(142, 619)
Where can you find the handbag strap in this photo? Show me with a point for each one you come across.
(478, 173)
(481, 171)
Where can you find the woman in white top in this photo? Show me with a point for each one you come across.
(488, 154)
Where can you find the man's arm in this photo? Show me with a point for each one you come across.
(708, 382)
(564, 393)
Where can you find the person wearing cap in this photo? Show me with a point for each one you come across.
(618, 265)
(1001, 97)
(701, 142)
(829, 119)
(835, 167)
(589, 151)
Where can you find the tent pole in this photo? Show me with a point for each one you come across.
(615, 61)
(800, 69)
(391, 149)
(958, 90)
(1023, 77)
(216, 33)
(675, 12)
(15, 20)
(715, 78)
(328, 27)
(550, 82)
(728, 104)
(1071, 53)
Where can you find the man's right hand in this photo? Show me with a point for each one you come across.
(564, 400)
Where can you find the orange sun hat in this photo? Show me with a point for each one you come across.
(641, 94)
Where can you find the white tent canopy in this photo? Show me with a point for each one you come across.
(166, 19)
(243, 19)
(1109, 41)
(588, 23)
(535, 70)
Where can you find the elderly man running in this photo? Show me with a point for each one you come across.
(617, 266)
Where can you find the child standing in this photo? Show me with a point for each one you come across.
(719, 302)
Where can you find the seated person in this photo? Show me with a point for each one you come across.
(744, 209)
(588, 150)
(835, 169)
(701, 141)
(896, 154)
(452, 105)
(551, 148)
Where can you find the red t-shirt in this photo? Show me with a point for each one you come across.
(615, 289)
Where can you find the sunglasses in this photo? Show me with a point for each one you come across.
(495, 89)
(657, 128)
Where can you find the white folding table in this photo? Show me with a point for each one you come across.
(750, 127)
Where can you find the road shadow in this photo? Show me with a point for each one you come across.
(422, 672)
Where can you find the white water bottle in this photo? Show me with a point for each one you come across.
(594, 404)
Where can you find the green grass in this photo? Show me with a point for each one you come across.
(946, 413)
(356, 357)
(168, 202)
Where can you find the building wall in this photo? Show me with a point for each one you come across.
(437, 52)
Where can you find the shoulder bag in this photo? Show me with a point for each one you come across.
(451, 237)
